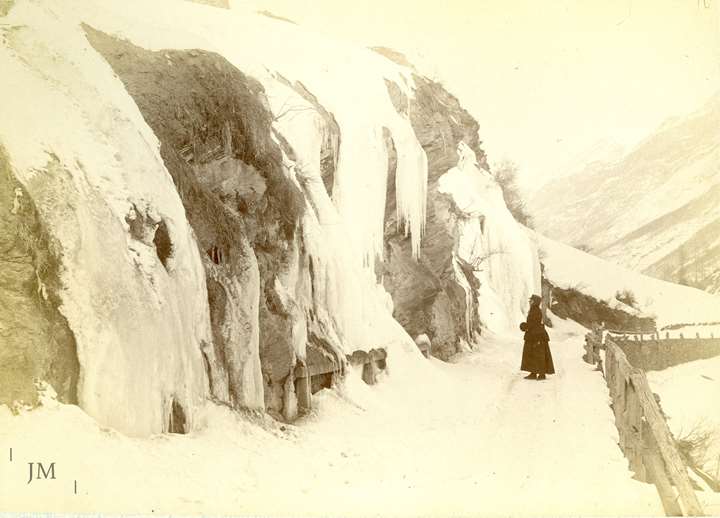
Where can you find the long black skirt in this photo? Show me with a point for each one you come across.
(536, 357)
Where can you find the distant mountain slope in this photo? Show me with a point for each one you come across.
(656, 211)
(598, 156)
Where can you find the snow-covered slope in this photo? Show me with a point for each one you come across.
(656, 211)
(601, 155)
(669, 303)
(219, 206)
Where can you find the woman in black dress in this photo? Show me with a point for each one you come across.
(536, 356)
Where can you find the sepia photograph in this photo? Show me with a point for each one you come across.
(359, 259)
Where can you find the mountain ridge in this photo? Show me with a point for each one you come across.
(621, 211)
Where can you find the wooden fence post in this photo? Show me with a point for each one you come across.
(633, 426)
(302, 387)
(676, 468)
(644, 436)
(656, 474)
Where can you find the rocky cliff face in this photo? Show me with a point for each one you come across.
(222, 218)
(427, 294)
(37, 343)
(214, 127)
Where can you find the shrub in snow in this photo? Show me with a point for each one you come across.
(626, 297)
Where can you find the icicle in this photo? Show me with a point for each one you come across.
(359, 192)
(410, 185)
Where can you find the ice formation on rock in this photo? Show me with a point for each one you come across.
(346, 303)
(163, 313)
(490, 243)
(80, 148)
(347, 80)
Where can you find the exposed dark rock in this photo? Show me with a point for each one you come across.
(163, 245)
(431, 114)
(215, 130)
(426, 296)
(150, 230)
(586, 310)
(177, 422)
(397, 97)
(390, 201)
(36, 343)
(218, 302)
(321, 381)
(141, 225)
(423, 343)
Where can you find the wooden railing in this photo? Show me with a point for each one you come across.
(644, 436)
(319, 371)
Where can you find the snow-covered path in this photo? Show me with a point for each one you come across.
(490, 442)
(472, 438)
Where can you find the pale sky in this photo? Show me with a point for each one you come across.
(545, 79)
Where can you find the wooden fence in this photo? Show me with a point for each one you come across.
(644, 436)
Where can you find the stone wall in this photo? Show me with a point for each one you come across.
(661, 353)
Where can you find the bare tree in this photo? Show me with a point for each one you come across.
(478, 261)
(288, 107)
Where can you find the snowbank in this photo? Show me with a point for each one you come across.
(670, 303)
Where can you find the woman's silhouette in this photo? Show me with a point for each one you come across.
(536, 356)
